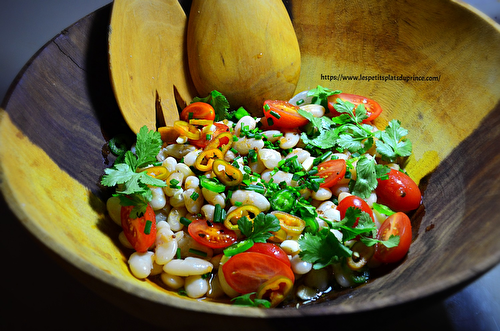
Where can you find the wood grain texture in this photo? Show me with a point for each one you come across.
(147, 52)
(61, 110)
(247, 50)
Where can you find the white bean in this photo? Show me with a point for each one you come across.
(169, 163)
(243, 145)
(114, 209)
(177, 200)
(172, 281)
(343, 195)
(282, 176)
(229, 156)
(291, 247)
(338, 189)
(301, 154)
(124, 241)
(289, 140)
(247, 121)
(308, 163)
(321, 194)
(190, 157)
(371, 199)
(328, 210)
(257, 166)
(157, 269)
(317, 279)
(174, 218)
(269, 157)
(306, 292)
(141, 264)
(165, 244)
(175, 176)
(193, 206)
(214, 197)
(159, 201)
(188, 267)
(191, 182)
(195, 286)
(272, 135)
(250, 198)
(300, 267)
(184, 169)
(175, 150)
(314, 109)
(208, 211)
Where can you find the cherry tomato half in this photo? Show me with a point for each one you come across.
(354, 201)
(210, 234)
(134, 228)
(333, 171)
(271, 250)
(283, 114)
(372, 107)
(399, 192)
(198, 111)
(202, 142)
(247, 271)
(397, 224)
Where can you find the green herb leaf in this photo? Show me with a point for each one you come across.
(322, 248)
(147, 147)
(320, 95)
(259, 229)
(219, 102)
(366, 180)
(249, 300)
(392, 142)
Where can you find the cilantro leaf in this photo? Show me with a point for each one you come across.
(249, 300)
(364, 227)
(307, 212)
(366, 177)
(132, 182)
(260, 229)
(347, 107)
(322, 248)
(139, 202)
(147, 147)
(393, 241)
(219, 102)
(320, 95)
(392, 142)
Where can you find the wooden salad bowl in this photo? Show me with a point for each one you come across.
(60, 112)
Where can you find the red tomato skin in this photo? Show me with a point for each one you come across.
(333, 171)
(200, 231)
(289, 116)
(246, 272)
(200, 110)
(272, 250)
(372, 107)
(354, 201)
(396, 224)
(203, 142)
(134, 228)
(399, 192)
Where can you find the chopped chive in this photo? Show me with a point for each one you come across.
(208, 137)
(299, 102)
(194, 196)
(218, 213)
(173, 184)
(238, 203)
(235, 138)
(147, 227)
(276, 135)
(190, 115)
(266, 107)
(275, 114)
(270, 121)
(197, 252)
(185, 221)
(178, 253)
(234, 150)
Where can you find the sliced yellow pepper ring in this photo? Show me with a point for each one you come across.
(223, 142)
(226, 173)
(361, 254)
(279, 236)
(206, 158)
(158, 172)
(291, 224)
(231, 221)
(200, 122)
(275, 290)
(186, 129)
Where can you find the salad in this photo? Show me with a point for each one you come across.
(269, 211)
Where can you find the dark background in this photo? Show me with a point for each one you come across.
(36, 291)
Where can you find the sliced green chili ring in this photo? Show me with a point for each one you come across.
(283, 201)
(211, 185)
(239, 247)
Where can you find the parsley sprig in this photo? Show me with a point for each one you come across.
(132, 186)
(218, 101)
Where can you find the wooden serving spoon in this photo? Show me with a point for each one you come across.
(247, 50)
(148, 61)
